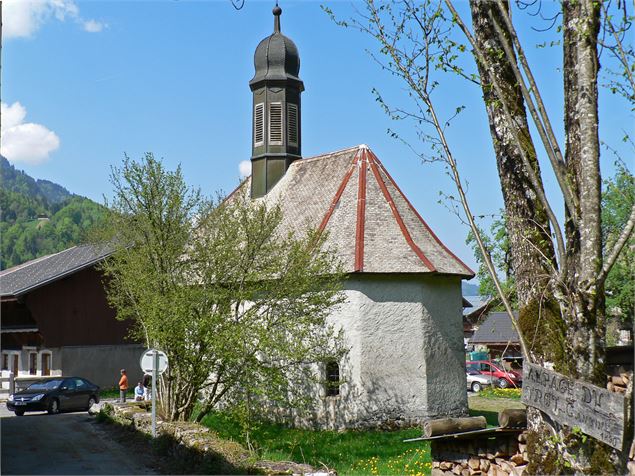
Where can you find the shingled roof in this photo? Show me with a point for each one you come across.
(38, 272)
(370, 222)
(496, 329)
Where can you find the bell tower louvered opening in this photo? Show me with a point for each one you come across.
(275, 123)
(292, 124)
(276, 88)
(259, 124)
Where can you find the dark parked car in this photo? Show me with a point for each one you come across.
(54, 395)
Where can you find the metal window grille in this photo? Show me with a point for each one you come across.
(275, 123)
(292, 124)
(332, 379)
(259, 124)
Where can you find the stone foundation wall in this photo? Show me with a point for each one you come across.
(495, 455)
(190, 448)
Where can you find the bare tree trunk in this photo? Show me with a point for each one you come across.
(584, 310)
(578, 323)
(532, 253)
(561, 299)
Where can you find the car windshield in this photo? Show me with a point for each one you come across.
(48, 385)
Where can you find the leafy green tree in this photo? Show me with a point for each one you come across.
(497, 241)
(239, 307)
(617, 200)
(68, 217)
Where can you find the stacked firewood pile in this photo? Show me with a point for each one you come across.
(502, 455)
(465, 447)
(618, 380)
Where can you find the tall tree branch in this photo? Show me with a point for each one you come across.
(561, 249)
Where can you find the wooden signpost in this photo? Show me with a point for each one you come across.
(596, 411)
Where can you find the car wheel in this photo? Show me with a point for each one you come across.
(19, 412)
(91, 402)
(54, 406)
(476, 387)
(502, 383)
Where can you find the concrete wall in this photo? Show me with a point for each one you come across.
(100, 363)
(406, 357)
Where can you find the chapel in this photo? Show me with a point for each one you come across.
(402, 318)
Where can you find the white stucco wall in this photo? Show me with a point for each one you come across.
(406, 358)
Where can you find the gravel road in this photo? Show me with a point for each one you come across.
(68, 443)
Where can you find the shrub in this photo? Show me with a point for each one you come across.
(494, 392)
(105, 413)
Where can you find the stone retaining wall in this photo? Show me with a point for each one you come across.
(194, 445)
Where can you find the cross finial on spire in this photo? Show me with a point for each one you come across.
(277, 11)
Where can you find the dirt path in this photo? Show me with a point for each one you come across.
(68, 443)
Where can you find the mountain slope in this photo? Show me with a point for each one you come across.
(18, 181)
(40, 217)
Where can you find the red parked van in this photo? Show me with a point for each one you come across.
(503, 378)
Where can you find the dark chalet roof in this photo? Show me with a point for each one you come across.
(41, 271)
(370, 222)
(496, 329)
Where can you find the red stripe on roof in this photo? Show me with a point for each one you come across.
(398, 218)
(338, 195)
(417, 214)
(361, 212)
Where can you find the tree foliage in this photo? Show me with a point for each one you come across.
(38, 217)
(617, 200)
(497, 242)
(25, 237)
(239, 308)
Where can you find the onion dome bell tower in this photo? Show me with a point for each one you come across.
(276, 90)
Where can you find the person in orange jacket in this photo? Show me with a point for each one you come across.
(123, 386)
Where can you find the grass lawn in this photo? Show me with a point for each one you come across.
(350, 452)
(489, 407)
(113, 392)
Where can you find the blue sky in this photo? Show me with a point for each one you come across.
(95, 79)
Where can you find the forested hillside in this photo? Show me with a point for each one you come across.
(38, 217)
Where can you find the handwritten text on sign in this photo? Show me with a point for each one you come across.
(596, 411)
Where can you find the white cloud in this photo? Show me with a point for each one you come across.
(92, 26)
(22, 18)
(244, 168)
(24, 141)
(12, 115)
